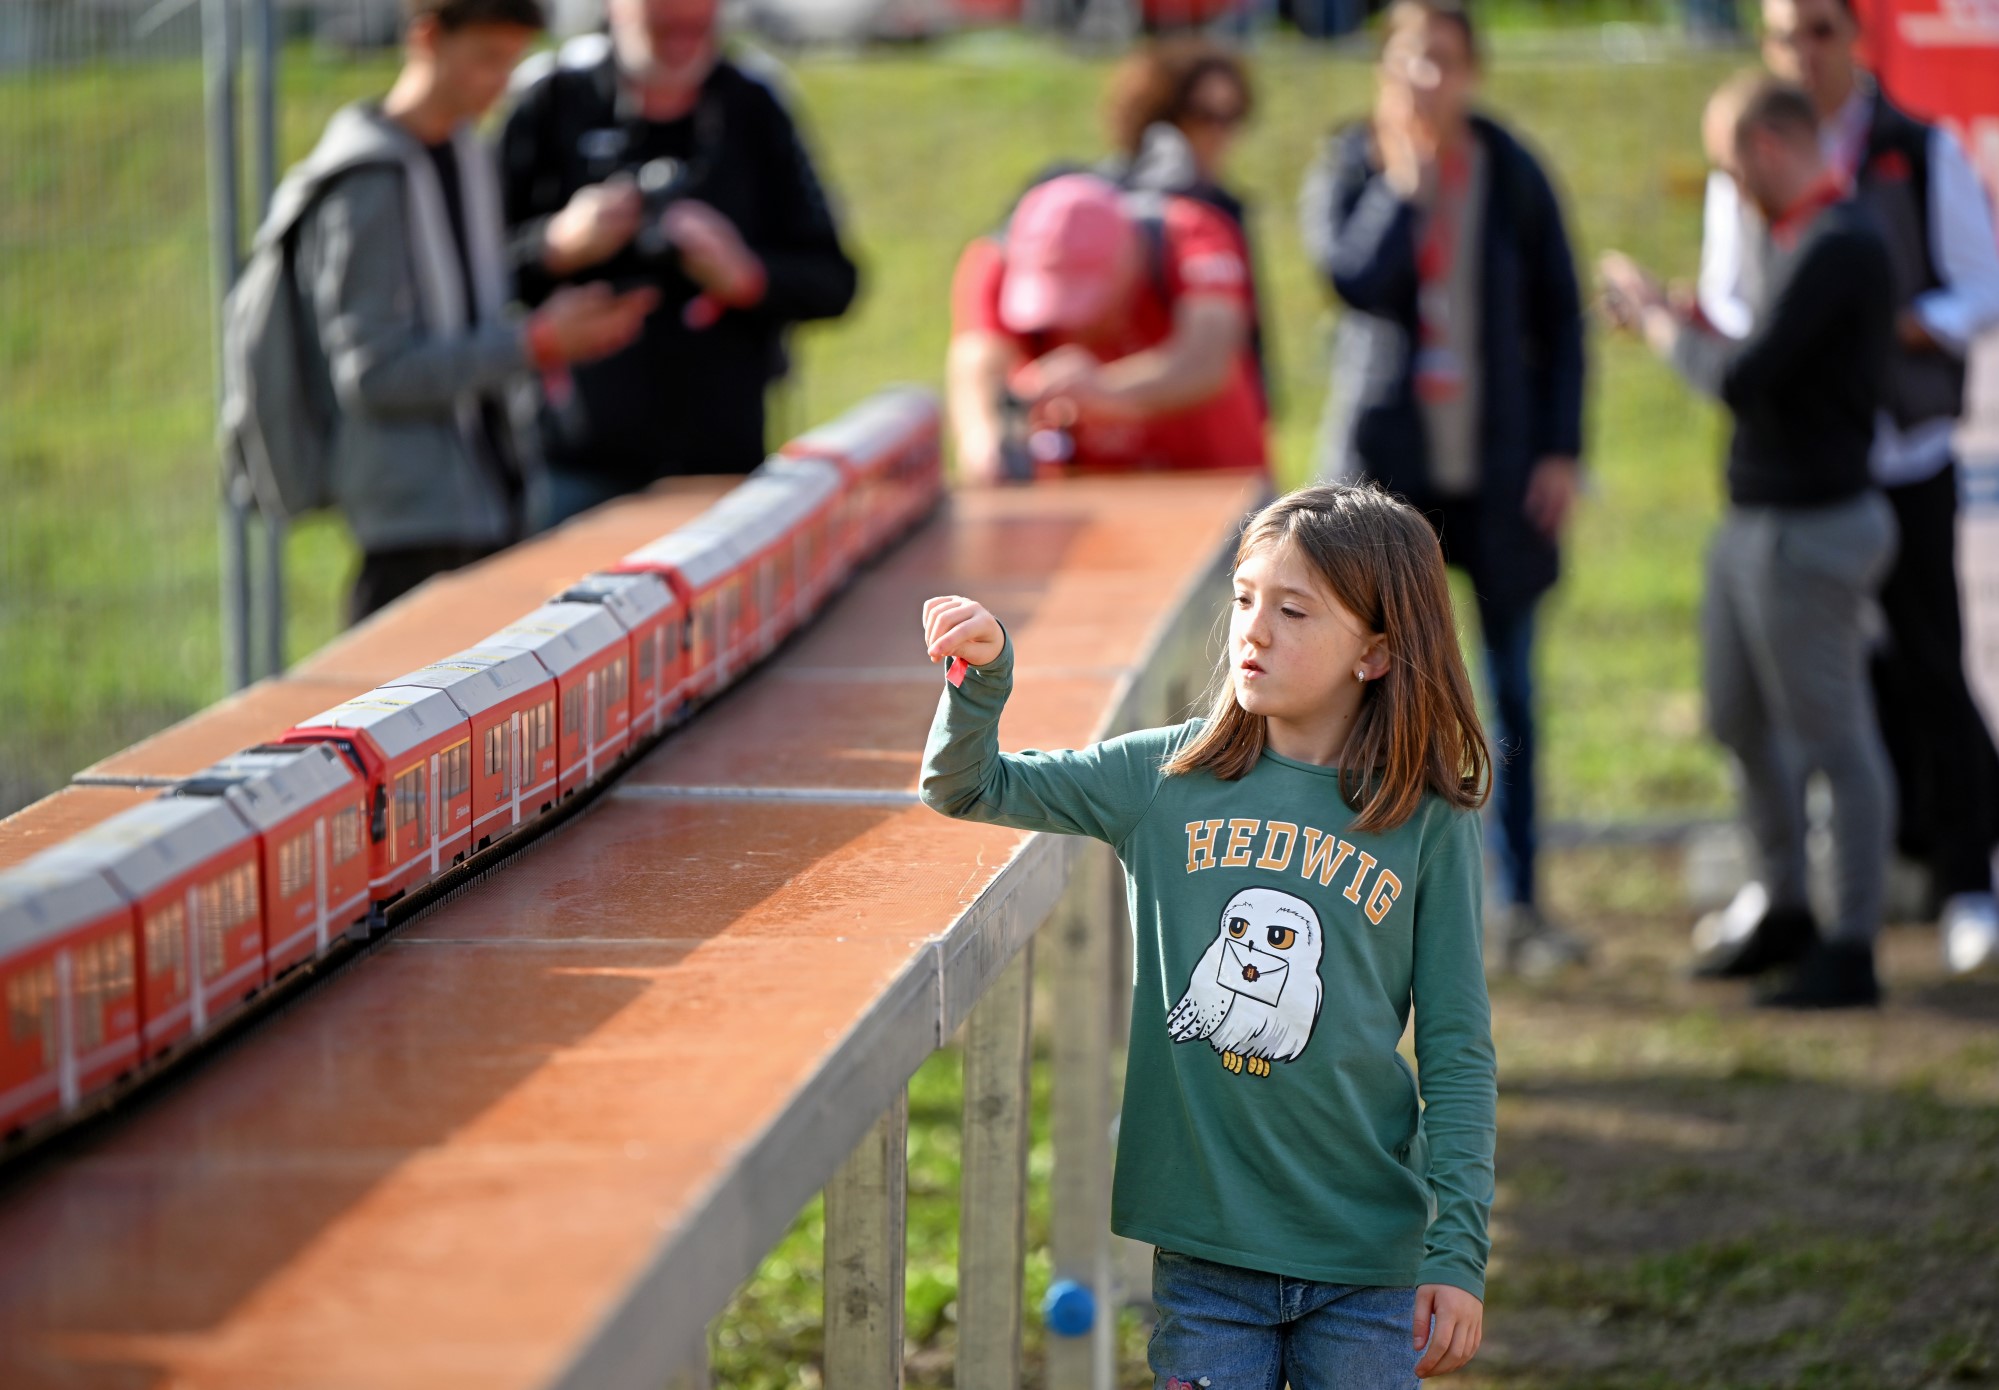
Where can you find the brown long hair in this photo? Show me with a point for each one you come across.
(1157, 81)
(1418, 728)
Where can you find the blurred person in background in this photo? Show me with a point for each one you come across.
(1104, 331)
(401, 284)
(1458, 375)
(1804, 543)
(1929, 203)
(1175, 108)
(653, 160)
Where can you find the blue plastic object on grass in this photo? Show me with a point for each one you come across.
(1069, 1309)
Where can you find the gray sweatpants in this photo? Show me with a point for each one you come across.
(1785, 671)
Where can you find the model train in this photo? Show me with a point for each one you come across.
(132, 940)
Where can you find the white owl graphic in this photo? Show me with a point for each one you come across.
(1255, 994)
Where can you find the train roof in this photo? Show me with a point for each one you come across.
(785, 466)
(273, 782)
(766, 505)
(563, 635)
(880, 422)
(400, 719)
(699, 553)
(39, 901)
(478, 679)
(633, 599)
(155, 842)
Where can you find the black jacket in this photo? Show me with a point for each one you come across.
(1362, 238)
(679, 400)
(1805, 384)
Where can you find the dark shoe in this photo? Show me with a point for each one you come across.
(1835, 975)
(1749, 936)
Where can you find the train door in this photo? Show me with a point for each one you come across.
(198, 969)
(67, 1083)
(321, 867)
(515, 769)
(428, 812)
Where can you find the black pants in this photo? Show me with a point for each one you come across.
(1945, 767)
(1508, 635)
(387, 575)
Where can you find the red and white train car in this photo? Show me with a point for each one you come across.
(508, 699)
(787, 528)
(890, 449)
(705, 569)
(189, 865)
(309, 807)
(656, 629)
(587, 652)
(69, 975)
(414, 748)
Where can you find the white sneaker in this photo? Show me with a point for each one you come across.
(1970, 927)
(1720, 932)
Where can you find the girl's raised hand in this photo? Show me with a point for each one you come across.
(1458, 1330)
(956, 626)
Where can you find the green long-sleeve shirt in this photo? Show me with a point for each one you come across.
(1269, 1122)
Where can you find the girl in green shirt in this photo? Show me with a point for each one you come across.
(1303, 869)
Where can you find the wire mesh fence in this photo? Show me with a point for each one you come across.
(107, 533)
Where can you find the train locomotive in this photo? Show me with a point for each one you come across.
(133, 940)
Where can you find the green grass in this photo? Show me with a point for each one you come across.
(108, 581)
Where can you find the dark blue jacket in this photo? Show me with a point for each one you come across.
(1362, 238)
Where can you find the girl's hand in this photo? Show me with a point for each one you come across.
(955, 626)
(1459, 1330)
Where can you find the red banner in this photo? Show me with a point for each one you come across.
(1940, 60)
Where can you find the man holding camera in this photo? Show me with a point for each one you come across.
(655, 161)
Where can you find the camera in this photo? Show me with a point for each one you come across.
(1028, 450)
(662, 183)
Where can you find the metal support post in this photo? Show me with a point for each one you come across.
(219, 63)
(1077, 958)
(262, 43)
(992, 1210)
(865, 1211)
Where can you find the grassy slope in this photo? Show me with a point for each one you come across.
(107, 572)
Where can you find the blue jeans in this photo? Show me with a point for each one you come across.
(1224, 1328)
(1509, 665)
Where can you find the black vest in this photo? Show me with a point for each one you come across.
(1893, 183)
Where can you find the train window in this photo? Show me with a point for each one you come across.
(544, 722)
(346, 834)
(496, 750)
(209, 910)
(572, 712)
(295, 865)
(612, 686)
(88, 965)
(454, 771)
(166, 945)
(410, 801)
(119, 974)
(31, 1012)
(646, 661)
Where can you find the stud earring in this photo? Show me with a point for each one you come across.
(1360, 674)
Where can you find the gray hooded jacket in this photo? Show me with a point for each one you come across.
(403, 360)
